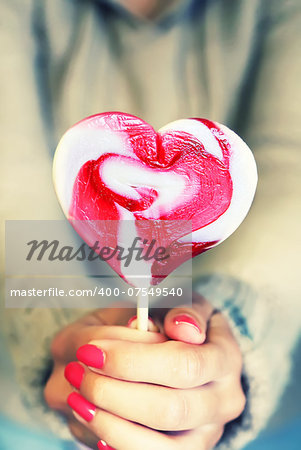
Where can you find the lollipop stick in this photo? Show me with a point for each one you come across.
(142, 312)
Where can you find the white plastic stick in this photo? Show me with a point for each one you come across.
(142, 313)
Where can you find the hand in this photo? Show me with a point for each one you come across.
(186, 390)
(101, 324)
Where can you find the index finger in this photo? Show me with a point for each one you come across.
(65, 345)
(171, 363)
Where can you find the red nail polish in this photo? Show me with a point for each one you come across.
(74, 373)
(80, 405)
(184, 319)
(91, 356)
(130, 322)
(135, 317)
(102, 445)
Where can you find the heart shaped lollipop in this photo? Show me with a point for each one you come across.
(115, 167)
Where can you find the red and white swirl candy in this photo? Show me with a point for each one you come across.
(114, 166)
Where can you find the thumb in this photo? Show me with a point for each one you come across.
(189, 324)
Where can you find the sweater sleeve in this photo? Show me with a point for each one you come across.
(29, 360)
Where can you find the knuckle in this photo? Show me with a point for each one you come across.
(49, 393)
(211, 435)
(241, 403)
(218, 361)
(238, 405)
(189, 367)
(79, 339)
(53, 392)
(58, 344)
(218, 435)
(175, 415)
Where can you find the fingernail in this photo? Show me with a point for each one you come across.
(74, 373)
(131, 320)
(91, 356)
(185, 319)
(135, 318)
(102, 445)
(80, 405)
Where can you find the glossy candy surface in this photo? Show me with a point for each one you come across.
(115, 167)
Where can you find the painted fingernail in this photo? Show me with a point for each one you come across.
(185, 319)
(135, 318)
(74, 373)
(81, 406)
(91, 356)
(102, 445)
(130, 323)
